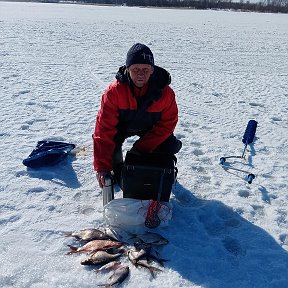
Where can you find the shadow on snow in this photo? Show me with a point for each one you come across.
(213, 246)
(62, 174)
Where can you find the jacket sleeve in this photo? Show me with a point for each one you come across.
(105, 130)
(163, 128)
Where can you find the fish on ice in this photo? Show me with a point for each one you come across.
(117, 277)
(134, 255)
(109, 266)
(138, 258)
(89, 234)
(95, 245)
(100, 257)
(150, 238)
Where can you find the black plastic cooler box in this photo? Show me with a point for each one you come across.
(141, 176)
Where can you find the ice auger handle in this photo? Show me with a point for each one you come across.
(250, 178)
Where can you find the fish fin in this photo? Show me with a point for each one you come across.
(71, 235)
(150, 268)
(153, 270)
(146, 258)
(132, 235)
(125, 252)
(106, 248)
(87, 262)
(157, 253)
(161, 261)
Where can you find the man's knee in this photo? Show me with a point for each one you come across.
(171, 145)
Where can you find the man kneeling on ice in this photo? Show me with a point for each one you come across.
(138, 102)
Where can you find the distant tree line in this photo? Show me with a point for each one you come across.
(271, 6)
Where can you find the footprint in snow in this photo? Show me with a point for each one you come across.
(214, 227)
(283, 239)
(21, 173)
(25, 127)
(253, 104)
(22, 92)
(195, 144)
(180, 136)
(244, 193)
(233, 246)
(281, 217)
(276, 119)
(198, 152)
(35, 190)
(10, 219)
(88, 211)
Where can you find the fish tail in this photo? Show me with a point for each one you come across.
(150, 268)
(122, 251)
(125, 252)
(132, 235)
(87, 262)
(161, 261)
(71, 235)
(153, 270)
(73, 249)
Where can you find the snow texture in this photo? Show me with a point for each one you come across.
(226, 67)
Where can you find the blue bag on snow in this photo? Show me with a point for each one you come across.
(48, 153)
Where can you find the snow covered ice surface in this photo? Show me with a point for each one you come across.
(226, 68)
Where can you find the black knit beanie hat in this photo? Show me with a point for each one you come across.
(139, 54)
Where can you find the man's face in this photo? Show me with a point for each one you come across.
(140, 73)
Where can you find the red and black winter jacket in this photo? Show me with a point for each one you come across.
(124, 113)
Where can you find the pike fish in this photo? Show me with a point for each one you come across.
(100, 257)
(95, 245)
(117, 277)
(89, 234)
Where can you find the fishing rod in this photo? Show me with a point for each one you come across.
(247, 139)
